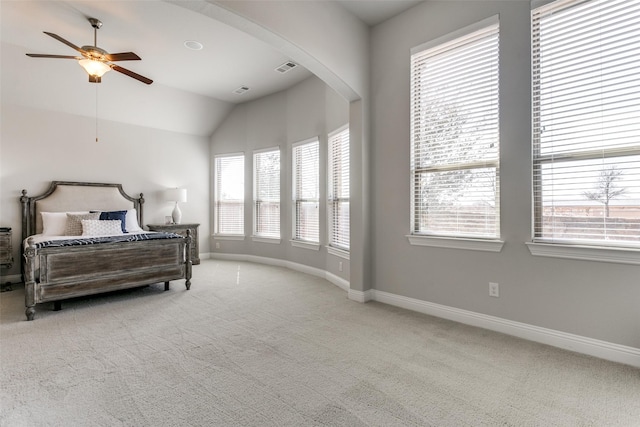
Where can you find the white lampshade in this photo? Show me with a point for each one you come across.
(94, 68)
(175, 195)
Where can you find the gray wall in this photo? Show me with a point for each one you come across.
(309, 109)
(39, 146)
(600, 300)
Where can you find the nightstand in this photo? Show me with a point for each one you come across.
(6, 254)
(181, 229)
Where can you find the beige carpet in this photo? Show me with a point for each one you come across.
(254, 345)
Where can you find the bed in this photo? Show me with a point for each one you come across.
(110, 253)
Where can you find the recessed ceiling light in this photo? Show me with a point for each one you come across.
(193, 45)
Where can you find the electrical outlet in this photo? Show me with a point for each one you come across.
(340, 266)
(494, 290)
(217, 245)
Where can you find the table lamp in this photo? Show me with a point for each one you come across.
(176, 195)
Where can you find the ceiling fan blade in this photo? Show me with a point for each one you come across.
(68, 43)
(129, 73)
(40, 55)
(123, 56)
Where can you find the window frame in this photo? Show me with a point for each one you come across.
(458, 241)
(332, 199)
(256, 236)
(553, 246)
(216, 210)
(296, 241)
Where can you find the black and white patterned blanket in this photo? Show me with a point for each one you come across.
(106, 239)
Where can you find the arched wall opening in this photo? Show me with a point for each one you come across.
(334, 46)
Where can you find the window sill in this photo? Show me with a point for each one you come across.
(585, 253)
(228, 236)
(305, 245)
(272, 240)
(338, 252)
(457, 243)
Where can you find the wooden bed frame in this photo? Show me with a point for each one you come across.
(57, 273)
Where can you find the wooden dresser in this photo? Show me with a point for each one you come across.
(181, 229)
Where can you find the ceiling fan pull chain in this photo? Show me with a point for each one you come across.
(96, 113)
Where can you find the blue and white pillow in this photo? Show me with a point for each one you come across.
(115, 215)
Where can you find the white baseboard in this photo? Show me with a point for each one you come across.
(336, 280)
(579, 344)
(360, 296)
(589, 346)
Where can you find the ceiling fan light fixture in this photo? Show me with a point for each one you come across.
(94, 68)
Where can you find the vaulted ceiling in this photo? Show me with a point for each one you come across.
(202, 82)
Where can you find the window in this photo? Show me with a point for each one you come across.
(339, 189)
(306, 191)
(455, 179)
(229, 194)
(266, 193)
(586, 122)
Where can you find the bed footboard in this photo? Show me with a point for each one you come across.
(74, 271)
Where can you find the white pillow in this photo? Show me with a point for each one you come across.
(131, 222)
(55, 223)
(93, 227)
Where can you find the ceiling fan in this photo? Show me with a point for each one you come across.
(94, 60)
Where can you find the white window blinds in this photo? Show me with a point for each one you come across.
(338, 187)
(455, 134)
(229, 194)
(266, 193)
(306, 191)
(586, 122)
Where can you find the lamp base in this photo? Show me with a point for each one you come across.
(176, 215)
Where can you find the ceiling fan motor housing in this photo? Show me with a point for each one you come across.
(95, 53)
